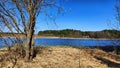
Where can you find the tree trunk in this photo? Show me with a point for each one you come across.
(32, 49)
(30, 40)
(29, 45)
(27, 57)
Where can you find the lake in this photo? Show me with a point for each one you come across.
(70, 42)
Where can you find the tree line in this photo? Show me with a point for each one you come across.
(110, 34)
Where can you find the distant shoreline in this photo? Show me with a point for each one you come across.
(36, 36)
(77, 38)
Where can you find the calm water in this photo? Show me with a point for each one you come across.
(72, 42)
(76, 42)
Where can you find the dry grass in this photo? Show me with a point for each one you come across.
(61, 57)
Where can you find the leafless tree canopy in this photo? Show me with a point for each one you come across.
(19, 16)
(117, 9)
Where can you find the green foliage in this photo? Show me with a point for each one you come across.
(81, 34)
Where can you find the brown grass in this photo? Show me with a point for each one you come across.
(62, 57)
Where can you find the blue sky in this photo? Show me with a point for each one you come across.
(84, 15)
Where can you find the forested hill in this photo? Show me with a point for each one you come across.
(111, 34)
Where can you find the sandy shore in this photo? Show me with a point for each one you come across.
(54, 37)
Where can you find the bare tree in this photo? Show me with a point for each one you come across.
(117, 8)
(19, 16)
(117, 27)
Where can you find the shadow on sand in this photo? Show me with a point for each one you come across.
(109, 63)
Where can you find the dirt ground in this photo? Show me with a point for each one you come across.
(66, 57)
